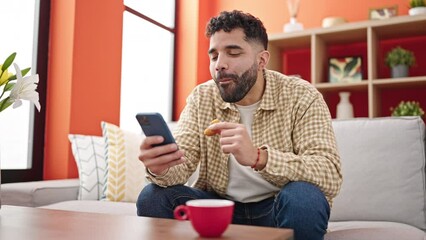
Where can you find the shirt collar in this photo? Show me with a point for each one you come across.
(268, 101)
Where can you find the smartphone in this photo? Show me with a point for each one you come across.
(153, 124)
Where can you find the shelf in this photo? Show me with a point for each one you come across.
(350, 32)
(355, 86)
(308, 52)
(288, 41)
(400, 82)
(405, 25)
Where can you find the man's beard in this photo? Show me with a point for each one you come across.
(239, 87)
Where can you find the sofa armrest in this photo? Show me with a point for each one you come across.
(39, 193)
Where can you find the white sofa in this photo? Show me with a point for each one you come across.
(382, 196)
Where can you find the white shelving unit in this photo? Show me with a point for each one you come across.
(369, 32)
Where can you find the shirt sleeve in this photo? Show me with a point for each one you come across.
(187, 137)
(314, 157)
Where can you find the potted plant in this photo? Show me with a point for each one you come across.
(399, 60)
(409, 108)
(417, 7)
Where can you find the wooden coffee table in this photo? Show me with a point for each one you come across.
(35, 223)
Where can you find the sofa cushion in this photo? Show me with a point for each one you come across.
(89, 154)
(118, 208)
(126, 174)
(354, 230)
(383, 167)
(39, 193)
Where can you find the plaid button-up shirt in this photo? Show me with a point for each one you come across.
(292, 122)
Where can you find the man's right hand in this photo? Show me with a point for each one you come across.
(159, 159)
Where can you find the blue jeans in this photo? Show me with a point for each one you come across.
(300, 206)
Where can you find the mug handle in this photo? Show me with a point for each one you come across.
(181, 212)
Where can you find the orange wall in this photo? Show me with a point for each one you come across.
(59, 89)
(186, 26)
(84, 76)
(192, 17)
(274, 14)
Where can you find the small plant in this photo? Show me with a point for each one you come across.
(417, 3)
(409, 108)
(400, 56)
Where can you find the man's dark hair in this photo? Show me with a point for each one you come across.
(228, 21)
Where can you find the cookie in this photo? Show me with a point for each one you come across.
(208, 131)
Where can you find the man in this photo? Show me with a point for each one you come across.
(274, 153)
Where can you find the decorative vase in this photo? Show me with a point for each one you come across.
(417, 11)
(344, 107)
(293, 26)
(399, 71)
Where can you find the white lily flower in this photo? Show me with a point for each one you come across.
(25, 88)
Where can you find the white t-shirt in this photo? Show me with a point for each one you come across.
(246, 185)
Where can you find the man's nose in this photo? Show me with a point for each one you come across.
(221, 64)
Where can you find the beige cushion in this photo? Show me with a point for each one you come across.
(119, 208)
(354, 230)
(126, 174)
(383, 166)
(39, 193)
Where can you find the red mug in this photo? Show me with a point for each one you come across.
(209, 217)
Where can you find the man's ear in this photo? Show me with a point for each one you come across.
(263, 59)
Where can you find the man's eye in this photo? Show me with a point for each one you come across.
(213, 58)
(234, 54)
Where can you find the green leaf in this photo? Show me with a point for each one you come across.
(350, 66)
(23, 72)
(8, 61)
(335, 67)
(5, 103)
(9, 86)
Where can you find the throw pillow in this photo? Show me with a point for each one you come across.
(126, 174)
(89, 154)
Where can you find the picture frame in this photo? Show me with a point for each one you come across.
(345, 69)
(383, 12)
